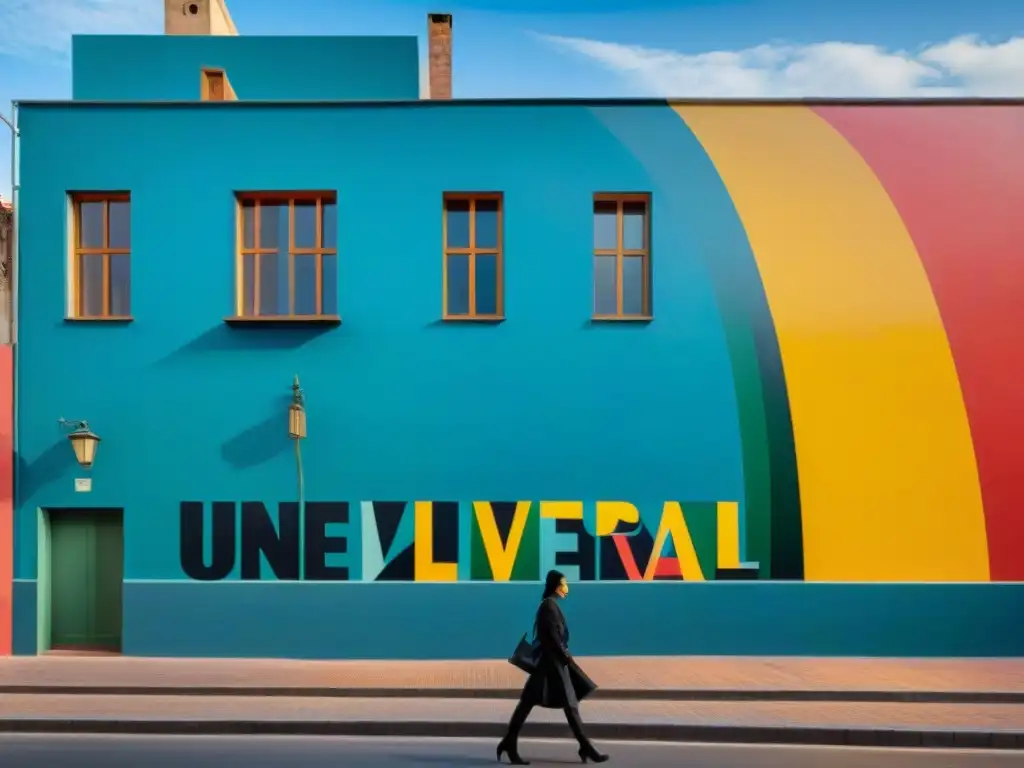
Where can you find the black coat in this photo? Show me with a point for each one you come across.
(558, 681)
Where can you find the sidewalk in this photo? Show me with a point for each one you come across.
(978, 726)
(626, 678)
(976, 703)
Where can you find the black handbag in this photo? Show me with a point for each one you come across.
(526, 656)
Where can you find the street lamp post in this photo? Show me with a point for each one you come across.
(297, 433)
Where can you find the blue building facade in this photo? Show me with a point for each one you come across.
(460, 442)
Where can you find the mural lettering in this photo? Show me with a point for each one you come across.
(449, 541)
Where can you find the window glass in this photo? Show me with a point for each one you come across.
(90, 284)
(633, 285)
(486, 284)
(120, 285)
(457, 223)
(90, 224)
(486, 224)
(120, 232)
(329, 212)
(305, 284)
(458, 285)
(634, 226)
(605, 285)
(329, 285)
(305, 224)
(606, 233)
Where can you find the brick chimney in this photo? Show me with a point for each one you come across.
(439, 54)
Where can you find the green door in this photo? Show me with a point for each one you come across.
(86, 567)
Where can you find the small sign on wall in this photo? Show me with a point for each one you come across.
(83, 484)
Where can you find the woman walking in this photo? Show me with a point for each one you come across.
(557, 682)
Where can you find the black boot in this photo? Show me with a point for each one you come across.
(508, 747)
(588, 752)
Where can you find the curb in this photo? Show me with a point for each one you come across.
(709, 734)
(606, 694)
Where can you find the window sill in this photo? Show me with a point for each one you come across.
(116, 319)
(483, 319)
(622, 319)
(279, 321)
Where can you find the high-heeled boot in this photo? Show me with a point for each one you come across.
(508, 746)
(589, 752)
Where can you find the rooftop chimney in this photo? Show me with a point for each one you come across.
(197, 17)
(439, 54)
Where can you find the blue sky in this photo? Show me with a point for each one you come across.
(597, 47)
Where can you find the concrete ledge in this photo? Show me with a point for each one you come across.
(605, 694)
(710, 734)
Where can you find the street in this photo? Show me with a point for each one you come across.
(33, 751)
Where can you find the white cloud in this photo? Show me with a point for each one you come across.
(43, 28)
(964, 66)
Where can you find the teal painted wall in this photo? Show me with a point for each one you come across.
(401, 406)
(546, 405)
(167, 67)
(743, 619)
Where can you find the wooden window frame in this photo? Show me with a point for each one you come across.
(472, 252)
(620, 253)
(207, 76)
(259, 199)
(77, 252)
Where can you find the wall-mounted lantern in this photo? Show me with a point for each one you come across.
(297, 413)
(83, 441)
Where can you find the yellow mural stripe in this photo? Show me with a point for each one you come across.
(728, 513)
(502, 557)
(673, 525)
(888, 483)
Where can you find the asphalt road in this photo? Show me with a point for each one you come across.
(52, 751)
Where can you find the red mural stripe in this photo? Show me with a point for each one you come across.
(956, 176)
(626, 556)
(6, 497)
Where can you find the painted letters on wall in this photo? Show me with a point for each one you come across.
(447, 541)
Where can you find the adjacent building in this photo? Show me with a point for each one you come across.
(364, 365)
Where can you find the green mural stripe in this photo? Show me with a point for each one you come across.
(527, 563)
(479, 565)
(787, 539)
(702, 522)
(755, 443)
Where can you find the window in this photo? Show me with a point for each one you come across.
(215, 86)
(101, 268)
(622, 257)
(472, 257)
(288, 263)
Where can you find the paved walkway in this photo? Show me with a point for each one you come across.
(977, 726)
(1003, 717)
(778, 714)
(693, 675)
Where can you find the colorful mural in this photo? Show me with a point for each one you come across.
(873, 333)
(431, 541)
(863, 350)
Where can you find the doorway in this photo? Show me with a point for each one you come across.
(85, 571)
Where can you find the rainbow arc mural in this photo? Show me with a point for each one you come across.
(874, 333)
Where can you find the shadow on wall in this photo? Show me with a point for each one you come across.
(224, 338)
(261, 442)
(47, 467)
